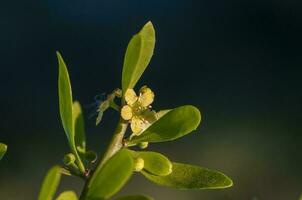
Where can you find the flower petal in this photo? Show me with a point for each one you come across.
(130, 97)
(126, 112)
(137, 125)
(149, 115)
(146, 96)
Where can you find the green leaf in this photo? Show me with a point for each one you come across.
(111, 177)
(301, 197)
(138, 55)
(66, 108)
(135, 197)
(155, 163)
(65, 99)
(172, 125)
(3, 149)
(67, 195)
(50, 184)
(186, 176)
(79, 128)
(161, 113)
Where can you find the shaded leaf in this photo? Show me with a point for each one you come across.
(67, 195)
(50, 184)
(111, 177)
(3, 149)
(186, 176)
(79, 128)
(155, 163)
(135, 197)
(172, 125)
(138, 55)
(101, 109)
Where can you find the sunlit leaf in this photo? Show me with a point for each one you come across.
(155, 163)
(65, 99)
(79, 128)
(3, 149)
(50, 184)
(138, 55)
(66, 108)
(67, 195)
(161, 113)
(111, 177)
(186, 176)
(172, 125)
(135, 197)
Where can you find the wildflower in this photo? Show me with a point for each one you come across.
(138, 109)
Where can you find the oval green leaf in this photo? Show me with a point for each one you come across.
(65, 99)
(112, 176)
(186, 176)
(50, 184)
(155, 163)
(79, 128)
(172, 125)
(138, 55)
(67, 195)
(3, 149)
(135, 197)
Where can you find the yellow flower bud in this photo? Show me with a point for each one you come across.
(126, 112)
(138, 164)
(130, 97)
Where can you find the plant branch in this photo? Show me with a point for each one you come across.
(114, 146)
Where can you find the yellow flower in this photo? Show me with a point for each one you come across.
(137, 110)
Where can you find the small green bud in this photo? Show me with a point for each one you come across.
(138, 164)
(68, 159)
(143, 145)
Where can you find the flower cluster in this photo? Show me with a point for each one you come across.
(138, 109)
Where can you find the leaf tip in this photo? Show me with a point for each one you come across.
(3, 149)
(228, 182)
(149, 24)
(198, 116)
(60, 59)
(59, 56)
(77, 104)
(148, 28)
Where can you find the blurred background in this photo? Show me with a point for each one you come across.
(238, 61)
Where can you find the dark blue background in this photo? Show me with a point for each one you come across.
(238, 61)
